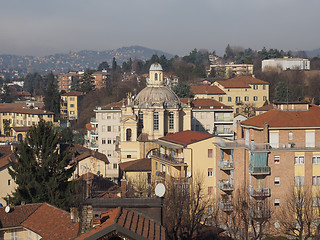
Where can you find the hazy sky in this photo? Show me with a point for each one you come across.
(41, 27)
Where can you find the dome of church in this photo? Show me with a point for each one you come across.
(155, 67)
(159, 94)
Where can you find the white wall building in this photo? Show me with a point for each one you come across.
(285, 64)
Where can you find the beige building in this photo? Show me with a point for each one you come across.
(242, 92)
(225, 71)
(7, 183)
(17, 115)
(69, 105)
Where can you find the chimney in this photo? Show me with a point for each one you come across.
(123, 187)
(74, 214)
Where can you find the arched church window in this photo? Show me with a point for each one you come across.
(128, 134)
(156, 76)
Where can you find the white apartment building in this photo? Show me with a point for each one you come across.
(285, 64)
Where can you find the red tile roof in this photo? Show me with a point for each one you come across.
(281, 119)
(41, 218)
(143, 164)
(83, 152)
(5, 155)
(205, 103)
(205, 89)
(240, 82)
(21, 129)
(139, 226)
(186, 137)
(21, 108)
(72, 93)
(114, 105)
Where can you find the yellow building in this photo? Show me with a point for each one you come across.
(69, 105)
(15, 115)
(226, 71)
(187, 154)
(242, 92)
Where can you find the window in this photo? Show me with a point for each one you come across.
(149, 178)
(155, 121)
(276, 180)
(277, 159)
(109, 128)
(220, 99)
(128, 134)
(140, 120)
(299, 180)
(255, 86)
(315, 180)
(299, 160)
(238, 99)
(277, 202)
(290, 136)
(210, 172)
(128, 156)
(171, 120)
(9, 182)
(156, 165)
(71, 112)
(210, 190)
(255, 98)
(115, 166)
(210, 153)
(316, 159)
(246, 98)
(109, 140)
(103, 128)
(264, 87)
(72, 105)
(229, 99)
(103, 141)
(108, 116)
(264, 98)
(71, 98)
(156, 76)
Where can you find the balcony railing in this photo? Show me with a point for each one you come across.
(260, 213)
(157, 154)
(225, 185)
(94, 145)
(217, 119)
(94, 132)
(223, 132)
(255, 170)
(93, 121)
(225, 165)
(226, 206)
(259, 192)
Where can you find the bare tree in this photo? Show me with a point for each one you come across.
(138, 186)
(299, 216)
(186, 208)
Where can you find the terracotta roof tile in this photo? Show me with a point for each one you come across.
(21, 129)
(21, 108)
(130, 220)
(5, 155)
(114, 105)
(41, 218)
(240, 82)
(72, 93)
(186, 137)
(279, 118)
(206, 89)
(205, 103)
(143, 164)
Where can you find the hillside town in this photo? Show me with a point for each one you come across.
(156, 149)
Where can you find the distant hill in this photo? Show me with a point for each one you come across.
(12, 65)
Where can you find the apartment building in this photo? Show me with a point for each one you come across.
(18, 115)
(274, 151)
(65, 81)
(225, 71)
(100, 79)
(286, 63)
(242, 92)
(207, 91)
(69, 104)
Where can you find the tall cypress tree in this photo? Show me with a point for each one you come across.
(52, 97)
(41, 169)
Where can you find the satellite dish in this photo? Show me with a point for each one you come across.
(189, 174)
(160, 190)
(7, 209)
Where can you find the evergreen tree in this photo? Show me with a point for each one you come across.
(103, 66)
(86, 82)
(282, 92)
(114, 64)
(52, 96)
(41, 169)
(182, 89)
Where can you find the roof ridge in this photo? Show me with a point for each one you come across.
(40, 204)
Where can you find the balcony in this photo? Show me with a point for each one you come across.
(225, 165)
(157, 154)
(265, 170)
(221, 119)
(93, 121)
(226, 206)
(94, 132)
(259, 192)
(225, 185)
(223, 132)
(259, 213)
